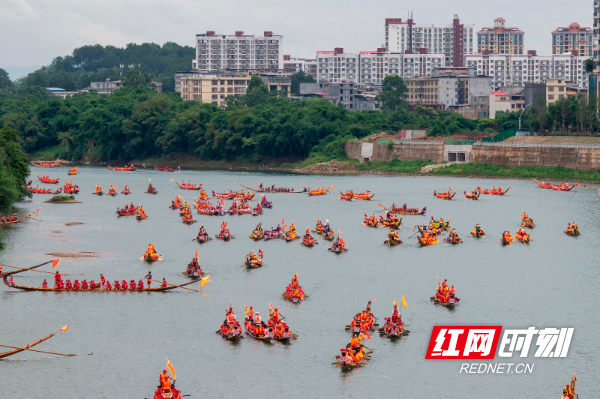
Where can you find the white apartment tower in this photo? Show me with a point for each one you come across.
(239, 51)
(453, 40)
(518, 69)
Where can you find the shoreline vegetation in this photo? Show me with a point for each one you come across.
(62, 199)
(323, 165)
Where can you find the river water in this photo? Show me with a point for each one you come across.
(550, 283)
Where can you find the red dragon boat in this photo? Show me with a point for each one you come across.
(403, 210)
(123, 169)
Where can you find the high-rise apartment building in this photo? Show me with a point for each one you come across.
(453, 40)
(572, 38)
(239, 51)
(511, 70)
(500, 39)
(337, 66)
(294, 65)
(371, 67)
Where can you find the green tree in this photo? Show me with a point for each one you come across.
(393, 93)
(5, 82)
(589, 66)
(300, 77)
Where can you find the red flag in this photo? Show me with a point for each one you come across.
(196, 253)
(55, 263)
(282, 221)
(65, 328)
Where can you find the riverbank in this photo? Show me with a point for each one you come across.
(352, 166)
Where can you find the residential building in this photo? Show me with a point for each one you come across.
(371, 67)
(178, 76)
(216, 87)
(452, 40)
(448, 90)
(572, 38)
(247, 52)
(510, 70)
(557, 89)
(108, 86)
(336, 66)
(502, 101)
(294, 65)
(500, 39)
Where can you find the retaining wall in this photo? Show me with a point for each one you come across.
(573, 158)
(406, 152)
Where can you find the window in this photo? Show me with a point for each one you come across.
(550, 88)
(214, 96)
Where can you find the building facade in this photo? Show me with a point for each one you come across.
(572, 38)
(239, 51)
(502, 101)
(511, 70)
(500, 39)
(371, 67)
(336, 66)
(108, 86)
(294, 65)
(448, 90)
(452, 40)
(216, 87)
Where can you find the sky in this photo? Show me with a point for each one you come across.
(33, 32)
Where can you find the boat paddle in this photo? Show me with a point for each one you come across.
(173, 285)
(35, 350)
(41, 271)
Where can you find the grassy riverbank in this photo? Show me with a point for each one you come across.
(558, 173)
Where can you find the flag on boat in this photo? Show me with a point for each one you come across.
(65, 328)
(171, 369)
(55, 263)
(403, 302)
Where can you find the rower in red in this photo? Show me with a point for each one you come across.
(164, 283)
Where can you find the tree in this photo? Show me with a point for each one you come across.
(589, 66)
(5, 82)
(300, 77)
(393, 93)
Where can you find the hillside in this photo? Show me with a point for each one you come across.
(96, 63)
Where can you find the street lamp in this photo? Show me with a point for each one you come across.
(523, 110)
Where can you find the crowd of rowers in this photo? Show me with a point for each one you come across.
(224, 233)
(47, 179)
(194, 269)
(572, 229)
(278, 189)
(98, 190)
(38, 190)
(190, 186)
(253, 259)
(324, 229)
(390, 220)
(71, 188)
(308, 239)
(394, 324)
(405, 209)
(102, 284)
(274, 328)
(10, 218)
(338, 244)
(443, 293)
(112, 189)
(294, 291)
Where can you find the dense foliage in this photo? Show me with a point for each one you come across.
(13, 169)
(96, 63)
(135, 123)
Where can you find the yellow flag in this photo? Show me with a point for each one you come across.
(65, 328)
(403, 302)
(204, 281)
(171, 369)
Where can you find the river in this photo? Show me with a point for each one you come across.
(550, 283)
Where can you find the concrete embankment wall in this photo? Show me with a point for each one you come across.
(406, 152)
(573, 157)
(569, 157)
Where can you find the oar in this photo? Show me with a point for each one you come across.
(172, 285)
(41, 271)
(34, 350)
